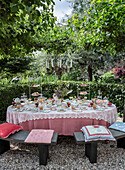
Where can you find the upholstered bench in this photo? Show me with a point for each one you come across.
(91, 147)
(20, 137)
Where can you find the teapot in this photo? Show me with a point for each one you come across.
(55, 97)
(16, 100)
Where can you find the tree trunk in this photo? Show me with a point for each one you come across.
(90, 72)
(124, 114)
(59, 76)
(59, 72)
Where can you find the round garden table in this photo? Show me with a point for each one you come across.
(65, 123)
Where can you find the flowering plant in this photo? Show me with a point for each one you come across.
(62, 93)
(119, 72)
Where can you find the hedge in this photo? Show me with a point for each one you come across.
(114, 92)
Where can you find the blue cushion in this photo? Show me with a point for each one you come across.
(96, 132)
(118, 126)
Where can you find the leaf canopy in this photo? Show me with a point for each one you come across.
(20, 22)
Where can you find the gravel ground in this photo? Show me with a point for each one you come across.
(66, 155)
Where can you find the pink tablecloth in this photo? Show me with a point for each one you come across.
(65, 123)
(63, 126)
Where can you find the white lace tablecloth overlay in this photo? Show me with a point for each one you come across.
(109, 115)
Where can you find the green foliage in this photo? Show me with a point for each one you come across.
(79, 6)
(25, 79)
(84, 35)
(20, 24)
(99, 28)
(105, 25)
(15, 65)
(114, 92)
(109, 77)
(57, 40)
(6, 96)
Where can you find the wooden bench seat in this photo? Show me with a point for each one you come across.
(20, 137)
(91, 147)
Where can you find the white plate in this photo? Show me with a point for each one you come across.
(100, 109)
(45, 111)
(76, 110)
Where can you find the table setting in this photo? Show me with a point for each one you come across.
(58, 106)
(46, 105)
(63, 115)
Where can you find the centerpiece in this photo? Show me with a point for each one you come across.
(59, 95)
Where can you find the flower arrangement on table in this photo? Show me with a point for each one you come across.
(62, 93)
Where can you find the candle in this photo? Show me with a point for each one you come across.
(71, 63)
(52, 62)
(46, 64)
(60, 63)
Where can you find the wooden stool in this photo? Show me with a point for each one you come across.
(20, 137)
(91, 147)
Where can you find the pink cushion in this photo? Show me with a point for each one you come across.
(40, 136)
(7, 129)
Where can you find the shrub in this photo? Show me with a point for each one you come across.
(109, 77)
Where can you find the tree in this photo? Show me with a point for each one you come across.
(104, 27)
(20, 22)
(79, 6)
(16, 65)
(51, 64)
(57, 49)
(100, 32)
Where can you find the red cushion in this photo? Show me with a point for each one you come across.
(7, 129)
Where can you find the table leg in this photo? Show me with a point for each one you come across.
(4, 146)
(43, 154)
(91, 151)
(121, 143)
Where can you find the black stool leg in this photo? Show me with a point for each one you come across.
(121, 143)
(87, 149)
(43, 154)
(91, 151)
(4, 146)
